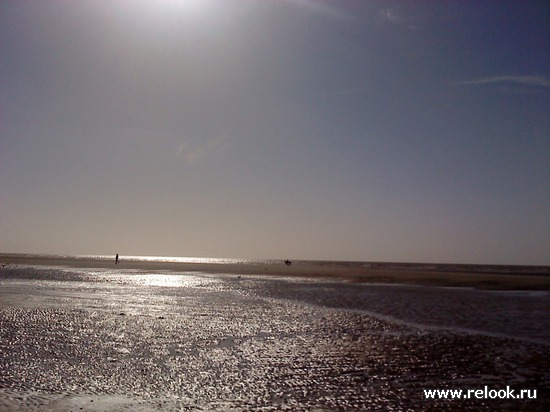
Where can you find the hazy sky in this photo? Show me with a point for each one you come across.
(341, 130)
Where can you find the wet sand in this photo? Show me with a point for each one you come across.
(493, 277)
(124, 339)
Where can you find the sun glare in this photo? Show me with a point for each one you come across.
(168, 17)
(171, 7)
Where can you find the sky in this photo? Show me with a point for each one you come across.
(305, 129)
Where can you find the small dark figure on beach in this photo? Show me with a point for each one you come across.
(288, 262)
(116, 259)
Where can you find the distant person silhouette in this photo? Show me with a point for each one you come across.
(116, 259)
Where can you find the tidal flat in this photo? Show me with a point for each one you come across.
(121, 339)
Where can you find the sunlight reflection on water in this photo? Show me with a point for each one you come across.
(138, 277)
(177, 259)
(158, 279)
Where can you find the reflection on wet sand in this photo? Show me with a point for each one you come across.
(116, 340)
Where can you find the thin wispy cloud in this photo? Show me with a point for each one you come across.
(193, 153)
(523, 80)
(321, 8)
(403, 20)
(416, 15)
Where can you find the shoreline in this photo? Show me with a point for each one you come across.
(486, 277)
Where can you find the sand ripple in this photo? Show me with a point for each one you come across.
(224, 345)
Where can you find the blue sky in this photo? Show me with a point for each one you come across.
(304, 129)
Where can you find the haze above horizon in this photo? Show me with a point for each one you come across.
(304, 129)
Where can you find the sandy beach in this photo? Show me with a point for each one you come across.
(140, 337)
(493, 277)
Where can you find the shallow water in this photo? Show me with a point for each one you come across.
(133, 340)
(511, 314)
